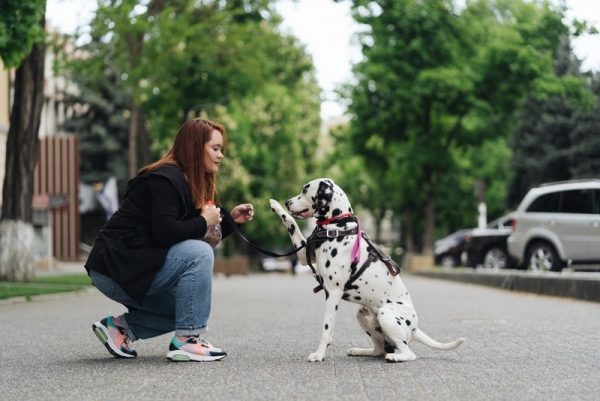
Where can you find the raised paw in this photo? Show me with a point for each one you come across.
(315, 357)
(276, 207)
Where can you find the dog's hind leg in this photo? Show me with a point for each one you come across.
(369, 323)
(398, 330)
(294, 232)
(331, 306)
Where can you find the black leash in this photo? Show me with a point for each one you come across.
(235, 227)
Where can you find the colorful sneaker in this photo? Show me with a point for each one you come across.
(113, 337)
(194, 349)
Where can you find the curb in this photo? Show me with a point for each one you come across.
(560, 285)
(46, 297)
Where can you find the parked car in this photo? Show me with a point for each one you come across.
(487, 246)
(557, 224)
(447, 251)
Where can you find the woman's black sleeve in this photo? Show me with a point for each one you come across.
(226, 223)
(167, 209)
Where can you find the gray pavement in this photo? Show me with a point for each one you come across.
(519, 347)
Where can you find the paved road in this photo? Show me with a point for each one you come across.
(519, 347)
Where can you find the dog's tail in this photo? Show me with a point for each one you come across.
(423, 338)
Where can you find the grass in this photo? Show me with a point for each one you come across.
(44, 285)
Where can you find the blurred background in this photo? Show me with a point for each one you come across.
(433, 116)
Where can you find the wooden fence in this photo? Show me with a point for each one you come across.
(57, 178)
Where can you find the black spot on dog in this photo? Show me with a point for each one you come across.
(336, 307)
(328, 263)
(408, 322)
(323, 198)
(345, 296)
(336, 212)
(283, 217)
(334, 252)
(330, 277)
(405, 343)
(292, 229)
(369, 334)
(339, 239)
(358, 298)
(378, 329)
(388, 302)
(398, 302)
(326, 326)
(305, 188)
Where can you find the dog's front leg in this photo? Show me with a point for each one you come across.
(294, 232)
(331, 306)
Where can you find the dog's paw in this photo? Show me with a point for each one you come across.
(363, 352)
(400, 357)
(276, 207)
(315, 357)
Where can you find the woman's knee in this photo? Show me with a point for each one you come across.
(196, 251)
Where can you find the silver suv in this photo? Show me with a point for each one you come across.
(557, 224)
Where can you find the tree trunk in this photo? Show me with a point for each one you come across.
(429, 225)
(144, 140)
(16, 229)
(133, 135)
(409, 244)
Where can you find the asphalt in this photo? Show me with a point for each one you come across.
(519, 346)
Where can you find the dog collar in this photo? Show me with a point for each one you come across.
(334, 218)
(355, 255)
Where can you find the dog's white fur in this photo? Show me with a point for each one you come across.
(387, 312)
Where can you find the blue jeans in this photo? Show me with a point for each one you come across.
(179, 298)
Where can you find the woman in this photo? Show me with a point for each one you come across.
(153, 255)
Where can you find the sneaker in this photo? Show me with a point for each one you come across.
(194, 349)
(113, 337)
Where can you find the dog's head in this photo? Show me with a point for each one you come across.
(320, 198)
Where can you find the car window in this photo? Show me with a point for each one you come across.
(577, 201)
(597, 201)
(547, 203)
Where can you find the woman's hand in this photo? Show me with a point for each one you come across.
(242, 213)
(211, 214)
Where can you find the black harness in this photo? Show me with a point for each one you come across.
(320, 235)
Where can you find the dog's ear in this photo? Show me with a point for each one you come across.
(323, 198)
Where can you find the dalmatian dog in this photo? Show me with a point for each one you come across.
(387, 313)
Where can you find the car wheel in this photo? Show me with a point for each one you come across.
(495, 258)
(541, 256)
(448, 261)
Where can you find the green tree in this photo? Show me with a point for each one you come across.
(436, 79)
(99, 113)
(22, 24)
(227, 61)
(555, 137)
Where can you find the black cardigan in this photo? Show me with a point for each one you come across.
(157, 212)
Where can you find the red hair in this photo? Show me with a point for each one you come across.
(188, 154)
